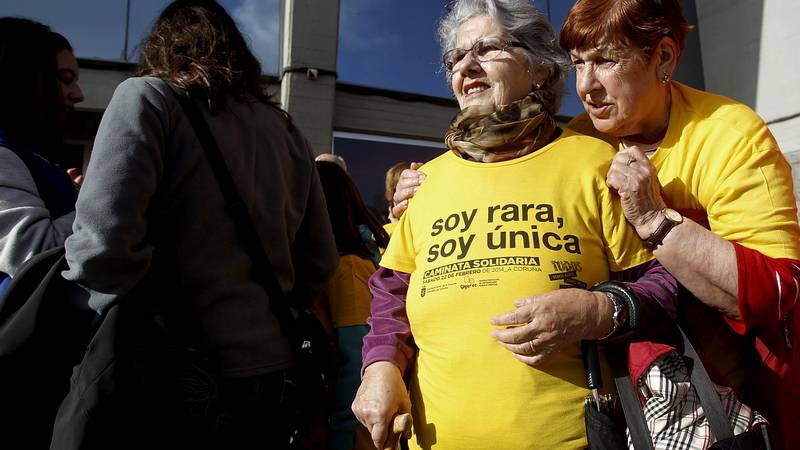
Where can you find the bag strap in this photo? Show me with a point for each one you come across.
(706, 392)
(238, 212)
(631, 408)
(712, 405)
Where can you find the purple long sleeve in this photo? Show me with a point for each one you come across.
(654, 285)
(389, 338)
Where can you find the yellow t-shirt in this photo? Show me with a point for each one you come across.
(347, 292)
(389, 227)
(719, 160)
(478, 236)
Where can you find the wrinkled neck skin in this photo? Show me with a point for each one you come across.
(655, 127)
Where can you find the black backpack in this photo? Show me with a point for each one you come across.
(42, 336)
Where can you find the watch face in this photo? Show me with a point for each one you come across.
(673, 215)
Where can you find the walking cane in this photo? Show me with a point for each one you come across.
(401, 426)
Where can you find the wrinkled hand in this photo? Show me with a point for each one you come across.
(635, 178)
(543, 324)
(410, 180)
(381, 396)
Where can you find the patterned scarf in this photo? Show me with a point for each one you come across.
(484, 134)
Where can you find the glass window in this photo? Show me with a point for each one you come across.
(369, 157)
(557, 12)
(382, 43)
(392, 45)
(143, 14)
(97, 28)
(260, 23)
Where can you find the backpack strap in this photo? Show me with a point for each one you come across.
(55, 188)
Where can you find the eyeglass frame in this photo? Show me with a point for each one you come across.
(507, 43)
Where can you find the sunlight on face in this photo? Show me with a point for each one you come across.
(498, 82)
(618, 90)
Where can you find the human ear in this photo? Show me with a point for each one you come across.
(539, 77)
(666, 55)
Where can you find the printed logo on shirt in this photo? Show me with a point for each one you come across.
(567, 273)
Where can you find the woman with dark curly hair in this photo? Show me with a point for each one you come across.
(152, 215)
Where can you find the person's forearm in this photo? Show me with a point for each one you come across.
(704, 263)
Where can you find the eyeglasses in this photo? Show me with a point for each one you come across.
(483, 50)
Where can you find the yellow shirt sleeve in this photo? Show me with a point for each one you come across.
(752, 201)
(401, 252)
(624, 248)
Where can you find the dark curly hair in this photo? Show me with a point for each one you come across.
(196, 45)
(30, 107)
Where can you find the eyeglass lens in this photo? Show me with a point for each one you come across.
(483, 50)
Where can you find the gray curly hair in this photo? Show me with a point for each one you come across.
(521, 21)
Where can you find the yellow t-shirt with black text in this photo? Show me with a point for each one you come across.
(478, 236)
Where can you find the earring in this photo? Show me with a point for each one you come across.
(664, 77)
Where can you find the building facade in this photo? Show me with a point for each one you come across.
(743, 49)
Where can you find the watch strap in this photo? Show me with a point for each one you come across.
(657, 238)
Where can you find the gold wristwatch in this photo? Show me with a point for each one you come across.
(672, 219)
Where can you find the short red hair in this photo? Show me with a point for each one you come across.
(624, 24)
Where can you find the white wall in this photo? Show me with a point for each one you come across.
(778, 94)
(750, 51)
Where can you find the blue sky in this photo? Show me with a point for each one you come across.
(382, 43)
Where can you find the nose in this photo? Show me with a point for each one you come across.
(76, 94)
(468, 64)
(586, 81)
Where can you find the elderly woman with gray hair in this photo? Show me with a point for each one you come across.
(500, 244)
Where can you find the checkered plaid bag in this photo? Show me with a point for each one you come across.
(674, 413)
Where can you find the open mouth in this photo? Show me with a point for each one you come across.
(475, 87)
(598, 109)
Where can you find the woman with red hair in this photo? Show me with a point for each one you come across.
(704, 183)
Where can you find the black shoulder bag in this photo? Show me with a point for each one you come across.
(606, 429)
